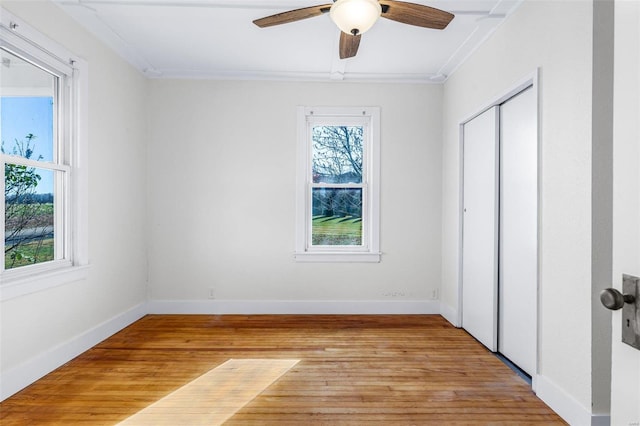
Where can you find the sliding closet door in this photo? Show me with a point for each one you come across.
(518, 231)
(480, 222)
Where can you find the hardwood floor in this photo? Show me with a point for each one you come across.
(352, 370)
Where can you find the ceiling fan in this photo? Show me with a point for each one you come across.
(354, 17)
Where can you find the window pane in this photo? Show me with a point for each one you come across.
(27, 110)
(337, 217)
(337, 154)
(29, 215)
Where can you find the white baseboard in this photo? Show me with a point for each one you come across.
(450, 314)
(600, 420)
(566, 406)
(275, 307)
(29, 371)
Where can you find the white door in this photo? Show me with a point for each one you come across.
(480, 228)
(518, 262)
(625, 371)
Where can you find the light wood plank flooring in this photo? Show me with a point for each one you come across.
(352, 370)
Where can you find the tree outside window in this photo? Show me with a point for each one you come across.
(28, 213)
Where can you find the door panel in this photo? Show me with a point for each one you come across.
(625, 371)
(518, 264)
(479, 230)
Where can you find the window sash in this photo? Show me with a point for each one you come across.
(59, 165)
(349, 121)
(61, 216)
(21, 161)
(364, 242)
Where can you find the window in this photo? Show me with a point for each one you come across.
(42, 136)
(338, 185)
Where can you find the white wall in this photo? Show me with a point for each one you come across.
(557, 37)
(35, 326)
(222, 192)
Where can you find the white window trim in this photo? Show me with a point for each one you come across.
(16, 34)
(370, 253)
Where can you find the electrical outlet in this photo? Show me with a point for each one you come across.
(212, 293)
(434, 294)
(395, 294)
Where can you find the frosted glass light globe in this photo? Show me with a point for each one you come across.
(355, 16)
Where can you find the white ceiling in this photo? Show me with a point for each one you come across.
(217, 39)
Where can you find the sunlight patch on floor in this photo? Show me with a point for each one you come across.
(214, 397)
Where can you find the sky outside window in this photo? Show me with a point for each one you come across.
(27, 107)
(29, 115)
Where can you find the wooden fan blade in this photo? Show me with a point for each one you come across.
(292, 15)
(415, 14)
(349, 45)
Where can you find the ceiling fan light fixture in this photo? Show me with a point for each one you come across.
(355, 16)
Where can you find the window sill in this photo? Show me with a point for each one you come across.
(335, 257)
(16, 285)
